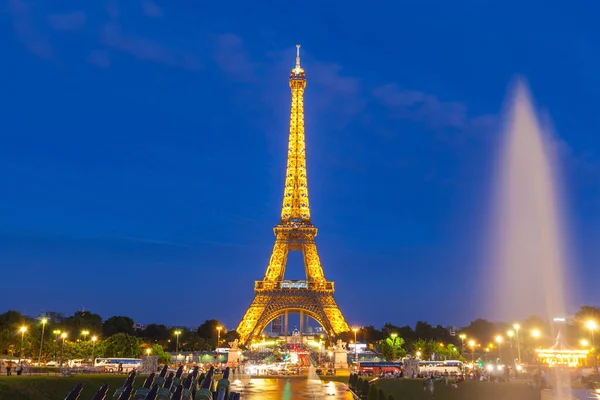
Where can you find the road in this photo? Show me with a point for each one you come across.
(290, 389)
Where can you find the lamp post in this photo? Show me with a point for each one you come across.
(592, 326)
(510, 334)
(62, 347)
(536, 334)
(148, 351)
(22, 329)
(393, 336)
(320, 349)
(218, 341)
(472, 346)
(85, 333)
(94, 339)
(517, 327)
(499, 341)
(462, 337)
(44, 322)
(355, 330)
(177, 333)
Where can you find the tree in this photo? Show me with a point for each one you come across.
(381, 395)
(163, 356)
(373, 395)
(115, 325)
(365, 387)
(156, 333)
(481, 330)
(82, 321)
(392, 347)
(122, 345)
(208, 331)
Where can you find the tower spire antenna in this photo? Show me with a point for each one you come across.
(297, 56)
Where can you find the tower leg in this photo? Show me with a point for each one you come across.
(301, 325)
(285, 324)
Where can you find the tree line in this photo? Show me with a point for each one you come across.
(85, 334)
(117, 336)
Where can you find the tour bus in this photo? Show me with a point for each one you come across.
(452, 367)
(112, 364)
(370, 367)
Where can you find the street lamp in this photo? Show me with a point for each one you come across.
(592, 326)
(62, 347)
(44, 322)
(177, 333)
(510, 334)
(22, 329)
(355, 329)
(536, 334)
(472, 346)
(85, 333)
(320, 348)
(517, 327)
(584, 343)
(462, 337)
(148, 351)
(393, 336)
(218, 340)
(94, 339)
(499, 341)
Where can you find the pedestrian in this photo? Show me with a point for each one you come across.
(431, 387)
(19, 369)
(9, 368)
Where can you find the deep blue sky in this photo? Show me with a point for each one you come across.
(143, 144)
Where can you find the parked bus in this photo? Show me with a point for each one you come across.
(112, 364)
(452, 367)
(370, 367)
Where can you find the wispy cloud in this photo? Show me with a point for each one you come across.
(233, 59)
(151, 9)
(422, 107)
(146, 49)
(26, 31)
(68, 22)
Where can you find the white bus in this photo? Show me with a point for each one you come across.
(452, 367)
(112, 364)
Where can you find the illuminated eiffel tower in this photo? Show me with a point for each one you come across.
(275, 296)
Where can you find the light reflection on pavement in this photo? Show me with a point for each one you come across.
(289, 389)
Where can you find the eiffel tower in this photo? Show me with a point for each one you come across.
(275, 296)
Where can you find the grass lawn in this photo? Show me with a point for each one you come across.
(57, 387)
(413, 389)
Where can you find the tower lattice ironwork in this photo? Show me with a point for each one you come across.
(275, 296)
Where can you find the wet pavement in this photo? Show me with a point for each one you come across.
(289, 389)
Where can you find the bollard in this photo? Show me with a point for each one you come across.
(152, 393)
(128, 382)
(205, 392)
(75, 393)
(101, 394)
(160, 379)
(223, 386)
(142, 392)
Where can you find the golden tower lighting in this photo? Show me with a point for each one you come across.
(275, 296)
